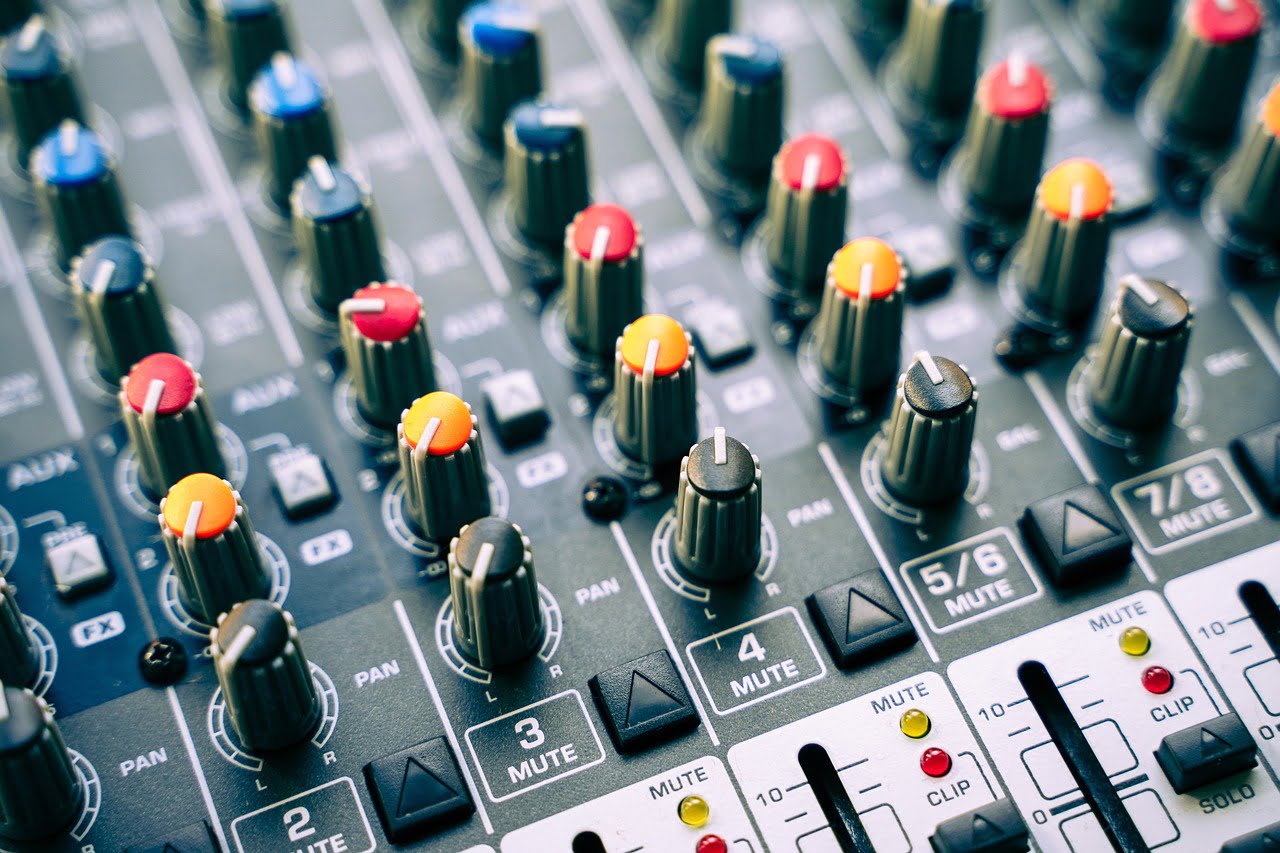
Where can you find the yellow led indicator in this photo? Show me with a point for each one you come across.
(694, 812)
(1135, 641)
(915, 723)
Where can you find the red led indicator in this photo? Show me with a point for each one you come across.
(1157, 679)
(712, 844)
(935, 763)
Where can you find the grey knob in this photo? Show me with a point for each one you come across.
(170, 423)
(293, 122)
(215, 552)
(266, 681)
(1133, 379)
(655, 391)
(718, 510)
(546, 169)
(497, 617)
(114, 287)
(39, 85)
(41, 792)
(806, 209)
(244, 35)
(603, 277)
(442, 459)
(384, 337)
(740, 122)
(336, 228)
(1247, 192)
(929, 435)
(859, 325)
(19, 663)
(1059, 266)
(681, 30)
(501, 66)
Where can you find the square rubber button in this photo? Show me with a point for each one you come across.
(1258, 455)
(1207, 752)
(516, 407)
(1076, 535)
(301, 482)
(643, 702)
(860, 619)
(418, 790)
(77, 565)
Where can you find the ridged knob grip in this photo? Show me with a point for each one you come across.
(742, 104)
(603, 277)
(442, 459)
(293, 122)
(501, 66)
(655, 390)
(546, 169)
(39, 85)
(117, 297)
(336, 228)
(77, 190)
(497, 617)
(1247, 192)
(40, 789)
(681, 30)
(244, 35)
(930, 434)
(719, 511)
(384, 337)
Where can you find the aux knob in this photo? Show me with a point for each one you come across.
(384, 337)
(442, 459)
(546, 169)
(929, 435)
(39, 85)
(41, 791)
(1133, 378)
(77, 189)
(655, 390)
(115, 292)
(805, 211)
(336, 229)
(19, 663)
(266, 681)
(170, 422)
(497, 616)
(1245, 204)
(215, 552)
(501, 66)
(245, 34)
(603, 277)
(859, 326)
(740, 123)
(718, 510)
(293, 122)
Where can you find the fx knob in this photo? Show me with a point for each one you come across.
(114, 287)
(546, 170)
(681, 30)
(1244, 208)
(1059, 266)
(603, 277)
(39, 85)
(245, 34)
(77, 190)
(1133, 379)
(655, 391)
(293, 122)
(215, 552)
(19, 663)
(859, 326)
(442, 459)
(719, 511)
(740, 124)
(41, 792)
(497, 615)
(336, 228)
(929, 436)
(170, 423)
(805, 211)
(384, 337)
(270, 694)
(501, 66)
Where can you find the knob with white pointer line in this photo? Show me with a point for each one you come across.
(603, 277)
(39, 85)
(501, 66)
(546, 172)
(293, 122)
(718, 510)
(245, 34)
(681, 30)
(859, 326)
(384, 337)
(266, 681)
(19, 663)
(929, 435)
(442, 460)
(1133, 378)
(497, 615)
(41, 791)
(655, 391)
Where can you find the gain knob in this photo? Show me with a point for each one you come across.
(603, 277)
(170, 423)
(497, 616)
(805, 212)
(384, 337)
(266, 681)
(929, 436)
(245, 34)
(41, 791)
(19, 663)
(336, 229)
(115, 292)
(681, 30)
(442, 459)
(655, 391)
(501, 66)
(859, 326)
(77, 190)
(1059, 266)
(719, 510)
(39, 85)
(546, 170)
(1133, 378)
(1244, 209)
(293, 122)
(215, 552)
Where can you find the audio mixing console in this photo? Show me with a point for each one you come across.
(640, 425)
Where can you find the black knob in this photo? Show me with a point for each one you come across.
(442, 460)
(293, 122)
(681, 30)
(497, 616)
(39, 85)
(740, 124)
(859, 326)
(719, 511)
(77, 189)
(655, 390)
(546, 170)
(930, 434)
(384, 337)
(40, 789)
(336, 229)
(501, 66)
(245, 34)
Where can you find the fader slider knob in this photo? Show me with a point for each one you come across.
(41, 791)
(718, 510)
(293, 122)
(384, 337)
(1246, 195)
(245, 34)
(19, 663)
(336, 228)
(215, 552)
(546, 169)
(806, 209)
(266, 681)
(929, 435)
(1133, 379)
(655, 389)
(497, 616)
(39, 85)
(603, 277)
(859, 325)
(501, 66)
(442, 459)
(77, 190)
